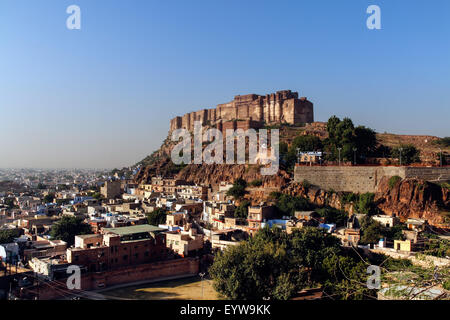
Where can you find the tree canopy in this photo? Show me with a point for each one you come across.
(307, 143)
(241, 211)
(287, 205)
(352, 140)
(8, 235)
(237, 191)
(157, 217)
(333, 215)
(276, 265)
(68, 227)
(304, 143)
(409, 153)
(49, 198)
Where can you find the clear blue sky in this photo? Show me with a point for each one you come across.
(103, 96)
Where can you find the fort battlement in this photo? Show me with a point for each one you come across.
(280, 107)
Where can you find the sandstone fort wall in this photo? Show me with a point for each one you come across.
(280, 107)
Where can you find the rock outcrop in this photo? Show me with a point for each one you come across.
(409, 198)
(214, 174)
(413, 198)
(318, 196)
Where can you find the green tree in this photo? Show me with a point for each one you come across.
(68, 227)
(365, 141)
(237, 191)
(8, 235)
(10, 203)
(49, 198)
(371, 230)
(366, 203)
(41, 186)
(346, 278)
(157, 217)
(395, 232)
(288, 156)
(344, 135)
(287, 204)
(332, 215)
(307, 143)
(97, 195)
(242, 210)
(277, 265)
(409, 153)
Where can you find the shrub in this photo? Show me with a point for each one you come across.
(242, 210)
(446, 285)
(287, 204)
(306, 184)
(445, 142)
(349, 198)
(156, 217)
(393, 181)
(332, 215)
(366, 204)
(256, 183)
(445, 185)
(238, 189)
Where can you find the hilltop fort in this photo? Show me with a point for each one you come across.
(252, 110)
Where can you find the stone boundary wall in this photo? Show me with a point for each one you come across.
(416, 258)
(362, 179)
(429, 174)
(101, 280)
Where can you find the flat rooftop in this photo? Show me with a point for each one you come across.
(87, 236)
(134, 229)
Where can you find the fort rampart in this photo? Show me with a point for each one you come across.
(280, 107)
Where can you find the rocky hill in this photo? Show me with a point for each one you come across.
(409, 198)
(412, 198)
(284, 110)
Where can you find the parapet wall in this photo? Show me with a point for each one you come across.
(429, 174)
(100, 280)
(362, 179)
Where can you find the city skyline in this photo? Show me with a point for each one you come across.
(103, 96)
